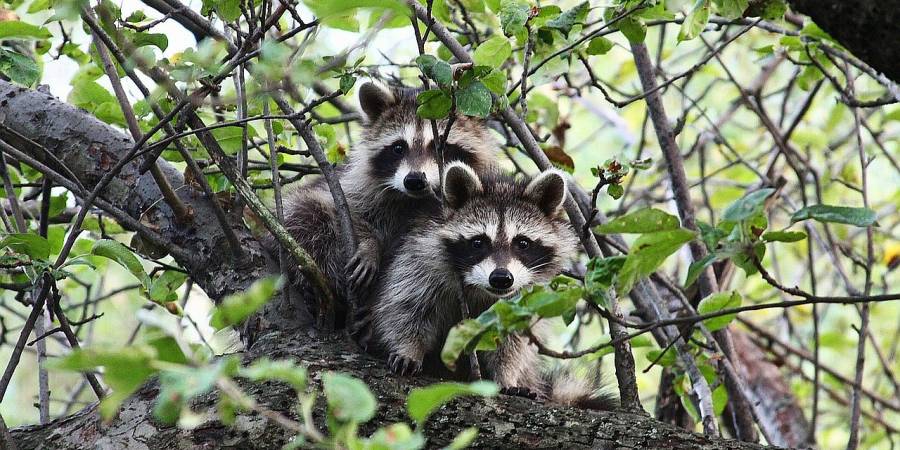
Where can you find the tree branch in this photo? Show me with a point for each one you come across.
(504, 422)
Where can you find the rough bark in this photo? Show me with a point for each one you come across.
(868, 28)
(503, 421)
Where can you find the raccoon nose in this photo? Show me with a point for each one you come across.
(415, 181)
(501, 279)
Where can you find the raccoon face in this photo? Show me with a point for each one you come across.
(398, 148)
(502, 235)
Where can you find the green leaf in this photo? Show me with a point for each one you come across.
(774, 9)
(697, 267)
(599, 46)
(860, 217)
(228, 10)
(495, 80)
(633, 29)
(19, 68)
(745, 258)
(397, 436)
(29, 244)
(748, 206)
(474, 100)
(694, 22)
(15, 29)
(437, 70)
(492, 52)
(718, 302)
(433, 104)
(231, 138)
(513, 15)
(280, 370)
(647, 253)
(38, 6)
(347, 82)
(784, 236)
(121, 254)
(601, 273)
(615, 191)
(178, 386)
(162, 289)
(549, 303)
(237, 307)
(158, 40)
(421, 402)
(125, 370)
(459, 338)
(94, 98)
(720, 399)
(647, 220)
(658, 12)
(464, 439)
(666, 360)
(711, 236)
(636, 342)
(731, 9)
(349, 399)
(565, 21)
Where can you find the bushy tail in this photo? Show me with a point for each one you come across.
(567, 386)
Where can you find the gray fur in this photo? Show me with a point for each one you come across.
(417, 298)
(381, 212)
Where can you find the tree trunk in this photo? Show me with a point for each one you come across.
(869, 28)
(503, 421)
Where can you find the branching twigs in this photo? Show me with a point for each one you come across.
(345, 219)
(770, 341)
(439, 142)
(870, 260)
(623, 357)
(164, 123)
(182, 213)
(36, 309)
(680, 189)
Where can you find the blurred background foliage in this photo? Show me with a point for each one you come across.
(724, 143)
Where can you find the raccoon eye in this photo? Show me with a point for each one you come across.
(398, 147)
(522, 243)
(477, 243)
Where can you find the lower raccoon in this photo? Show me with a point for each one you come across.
(389, 180)
(494, 236)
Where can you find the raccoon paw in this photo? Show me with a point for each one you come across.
(519, 392)
(403, 366)
(362, 267)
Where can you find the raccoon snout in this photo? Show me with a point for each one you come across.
(415, 182)
(501, 279)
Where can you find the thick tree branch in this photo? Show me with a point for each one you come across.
(869, 29)
(504, 422)
(88, 148)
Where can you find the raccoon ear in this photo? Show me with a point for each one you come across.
(374, 99)
(547, 191)
(461, 183)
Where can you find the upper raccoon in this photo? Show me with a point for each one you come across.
(495, 236)
(389, 179)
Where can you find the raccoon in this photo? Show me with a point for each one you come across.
(390, 178)
(494, 236)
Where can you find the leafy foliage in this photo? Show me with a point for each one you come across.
(580, 94)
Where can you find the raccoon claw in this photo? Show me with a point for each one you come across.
(362, 269)
(519, 392)
(402, 365)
